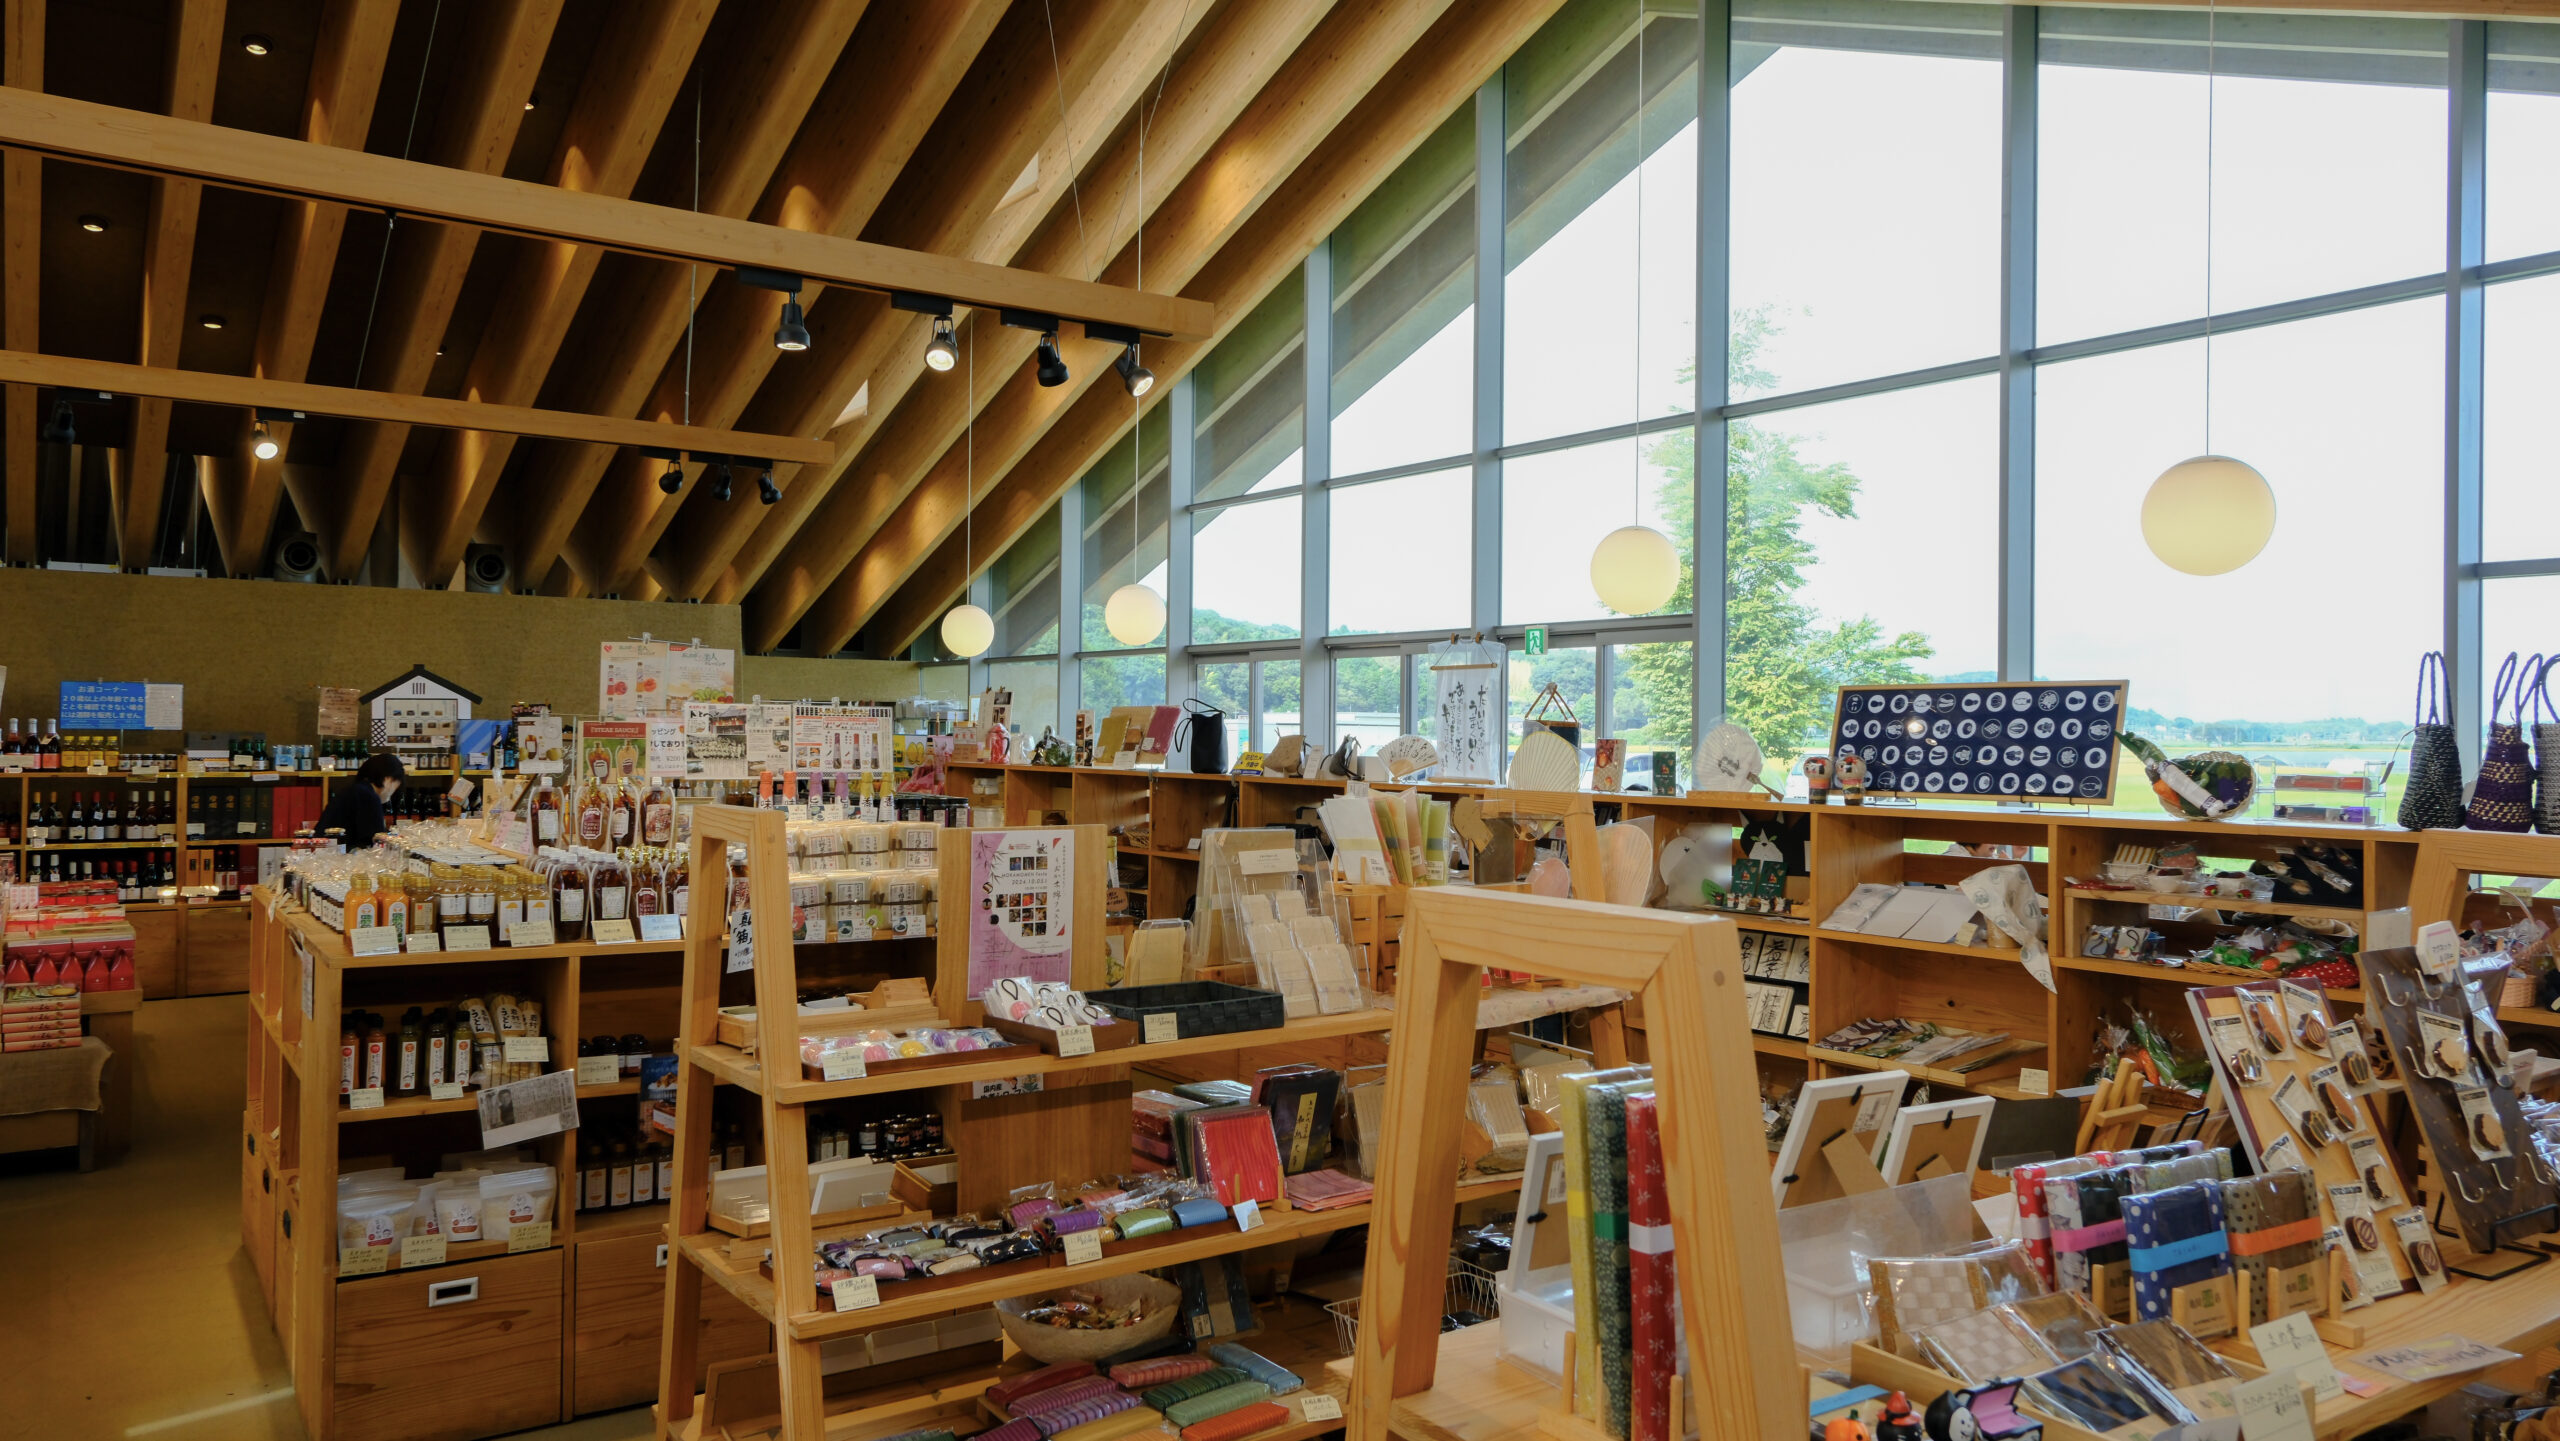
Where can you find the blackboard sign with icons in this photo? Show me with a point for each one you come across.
(1984, 740)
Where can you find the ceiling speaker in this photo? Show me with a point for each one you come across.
(296, 558)
(484, 570)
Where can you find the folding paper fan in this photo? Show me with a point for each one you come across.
(1407, 754)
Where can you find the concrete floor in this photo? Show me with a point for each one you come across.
(129, 1308)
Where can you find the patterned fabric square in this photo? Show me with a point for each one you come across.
(2274, 1224)
(2088, 1225)
(1982, 1347)
(1587, 1391)
(2034, 1226)
(1613, 1306)
(2174, 1238)
(1652, 1276)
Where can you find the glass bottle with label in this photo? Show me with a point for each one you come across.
(618, 1176)
(483, 894)
(546, 813)
(594, 815)
(657, 815)
(609, 888)
(625, 805)
(569, 904)
(453, 898)
(648, 883)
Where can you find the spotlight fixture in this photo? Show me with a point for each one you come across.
(1053, 367)
(211, 321)
(94, 224)
(256, 44)
(942, 352)
(720, 481)
(793, 332)
(673, 480)
(1136, 378)
(58, 429)
(533, 99)
(766, 490)
(263, 445)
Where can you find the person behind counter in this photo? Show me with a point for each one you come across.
(355, 812)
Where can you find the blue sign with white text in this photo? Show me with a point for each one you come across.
(102, 705)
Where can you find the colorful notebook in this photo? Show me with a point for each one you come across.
(1652, 1277)
(1577, 1209)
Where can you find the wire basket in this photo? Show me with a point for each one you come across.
(1471, 1289)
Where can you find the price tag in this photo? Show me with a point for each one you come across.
(844, 1065)
(365, 1098)
(1248, 1214)
(662, 928)
(2035, 1082)
(857, 1293)
(1084, 1248)
(537, 1048)
(611, 933)
(444, 1091)
(1317, 1406)
(461, 790)
(1163, 1026)
(2272, 1408)
(528, 1236)
(373, 941)
(2290, 1345)
(1268, 861)
(263, 776)
(363, 1260)
(424, 941)
(529, 933)
(2439, 948)
(146, 770)
(599, 1070)
(99, 769)
(421, 1251)
(1075, 1040)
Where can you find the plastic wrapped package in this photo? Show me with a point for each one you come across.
(2149, 1176)
(2088, 1393)
(1825, 1248)
(1543, 1081)
(1981, 1347)
(1580, 1166)
(1914, 1293)
(1494, 1106)
(2274, 1225)
(2087, 1215)
(2035, 1227)
(2168, 1367)
(516, 1198)
(2175, 1239)
(380, 1216)
(2057, 1321)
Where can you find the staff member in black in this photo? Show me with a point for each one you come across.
(356, 810)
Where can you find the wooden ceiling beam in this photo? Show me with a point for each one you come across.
(772, 72)
(168, 257)
(346, 79)
(1345, 60)
(207, 387)
(21, 256)
(1434, 78)
(631, 86)
(124, 139)
(864, 129)
(1233, 58)
(475, 128)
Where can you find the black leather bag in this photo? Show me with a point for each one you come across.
(1204, 737)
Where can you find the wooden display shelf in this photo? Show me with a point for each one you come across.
(2217, 903)
(2527, 1016)
(331, 945)
(2179, 975)
(1778, 1046)
(1997, 955)
(1995, 1077)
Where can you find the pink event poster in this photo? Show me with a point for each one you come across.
(1022, 887)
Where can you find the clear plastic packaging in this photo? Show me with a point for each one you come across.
(516, 1198)
(376, 1217)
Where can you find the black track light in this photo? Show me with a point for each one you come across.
(673, 480)
(766, 490)
(1053, 368)
(720, 481)
(1136, 378)
(942, 352)
(262, 444)
(58, 430)
(793, 332)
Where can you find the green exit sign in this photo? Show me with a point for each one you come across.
(1535, 640)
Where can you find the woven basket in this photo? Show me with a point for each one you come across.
(1052, 1344)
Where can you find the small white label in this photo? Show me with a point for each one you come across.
(424, 941)
(1269, 861)
(2291, 1344)
(528, 1236)
(1075, 1040)
(363, 1260)
(373, 941)
(1163, 1026)
(599, 1070)
(444, 1091)
(1875, 1108)
(611, 933)
(1084, 1248)
(421, 1251)
(843, 1065)
(466, 938)
(365, 1098)
(1317, 1406)
(2035, 1083)
(857, 1293)
(530, 933)
(533, 1048)
(2272, 1408)
(98, 769)
(1248, 1214)
(662, 928)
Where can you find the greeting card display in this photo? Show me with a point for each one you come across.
(1991, 741)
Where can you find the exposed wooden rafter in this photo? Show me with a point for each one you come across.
(21, 207)
(1433, 79)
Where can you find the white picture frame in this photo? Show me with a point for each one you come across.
(1897, 1145)
(1877, 1096)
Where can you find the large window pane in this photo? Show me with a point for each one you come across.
(1556, 507)
(1279, 703)
(1114, 680)
(1125, 495)
(1228, 686)
(1651, 702)
(1022, 592)
(1034, 684)
(1578, 331)
(1572, 670)
(1866, 188)
(1400, 552)
(2519, 426)
(1245, 571)
(2341, 415)
(1404, 310)
(1365, 699)
(2524, 139)
(1862, 541)
(943, 682)
(1250, 397)
(2327, 166)
(2515, 619)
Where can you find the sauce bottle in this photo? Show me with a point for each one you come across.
(364, 904)
(348, 1044)
(510, 886)
(666, 1171)
(375, 1039)
(594, 1186)
(657, 815)
(634, 1050)
(453, 902)
(593, 814)
(609, 888)
(644, 1176)
(618, 1177)
(482, 895)
(394, 900)
(460, 1055)
(569, 903)
(413, 1040)
(546, 814)
(648, 883)
(439, 1047)
(625, 813)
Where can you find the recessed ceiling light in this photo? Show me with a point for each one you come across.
(210, 321)
(94, 224)
(256, 44)
(532, 100)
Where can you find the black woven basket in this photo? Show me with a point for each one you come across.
(1199, 1008)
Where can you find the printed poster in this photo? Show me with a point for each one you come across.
(612, 749)
(715, 742)
(768, 738)
(1022, 906)
(843, 738)
(640, 679)
(666, 749)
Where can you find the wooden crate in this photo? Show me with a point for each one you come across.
(1377, 927)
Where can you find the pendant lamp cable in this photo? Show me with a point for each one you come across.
(1066, 132)
(1636, 494)
(691, 272)
(391, 218)
(2208, 226)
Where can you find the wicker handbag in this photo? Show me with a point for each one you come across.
(2502, 797)
(2433, 798)
(2546, 749)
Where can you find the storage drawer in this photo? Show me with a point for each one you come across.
(258, 1207)
(619, 1308)
(452, 1352)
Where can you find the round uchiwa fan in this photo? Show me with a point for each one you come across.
(2206, 786)
(1728, 760)
(1545, 761)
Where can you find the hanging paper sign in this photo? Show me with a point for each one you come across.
(1021, 905)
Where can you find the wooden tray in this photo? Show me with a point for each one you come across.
(740, 1031)
(1116, 1037)
(931, 1063)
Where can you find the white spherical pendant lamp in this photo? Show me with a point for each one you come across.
(968, 630)
(1634, 569)
(1134, 615)
(2208, 515)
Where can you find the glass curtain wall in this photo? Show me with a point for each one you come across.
(1948, 285)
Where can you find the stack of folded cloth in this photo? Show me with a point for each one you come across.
(1257, 1366)
(1005, 1393)
(1230, 1397)
(1157, 1370)
(1242, 1421)
(1199, 1383)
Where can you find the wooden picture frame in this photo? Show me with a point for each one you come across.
(1733, 1294)
(1952, 716)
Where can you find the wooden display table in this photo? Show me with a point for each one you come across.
(105, 1134)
